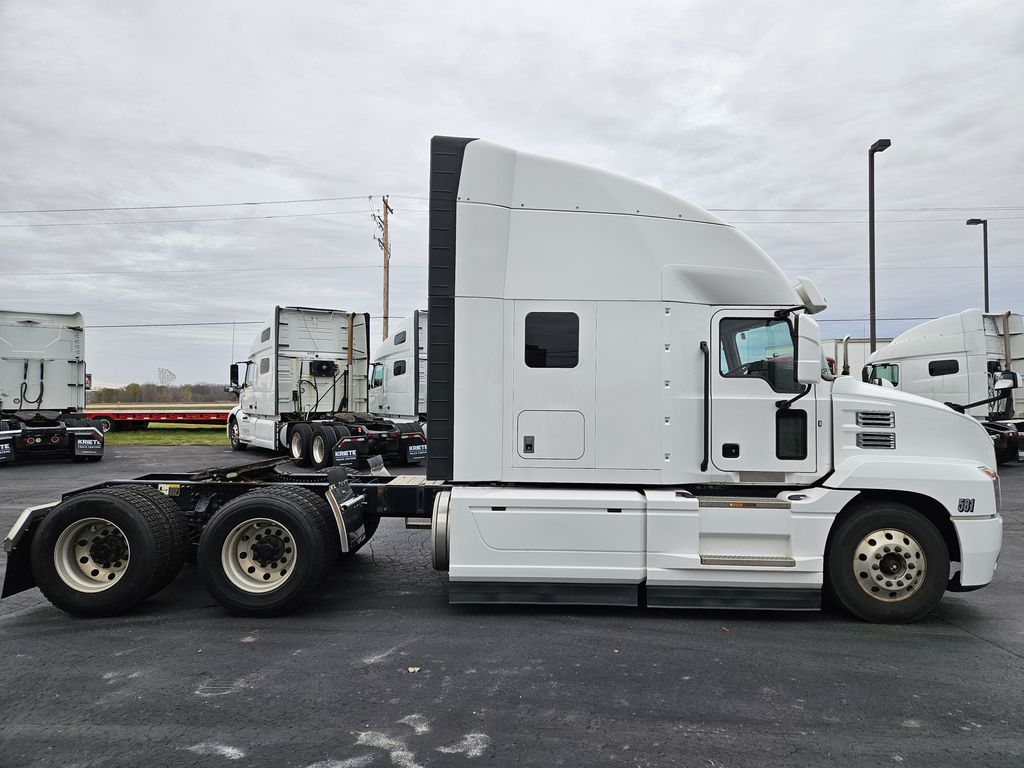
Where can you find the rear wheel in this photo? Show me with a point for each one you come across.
(101, 552)
(321, 447)
(888, 563)
(106, 424)
(262, 553)
(299, 443)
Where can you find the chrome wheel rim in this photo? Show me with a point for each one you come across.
(296, 446)
(91, 555)
(234, 432)
(259, 555)
(890, 565)
(319, 451)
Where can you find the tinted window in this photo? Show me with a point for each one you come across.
(758, 348)
(265, 365)
(888, 371)
(791, 434)
(552, 339)
(265, 336)
(400, 338)
(943, 367)
(377, 378)
(399, 368)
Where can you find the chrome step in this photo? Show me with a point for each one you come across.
(417, 522)
(759, 561)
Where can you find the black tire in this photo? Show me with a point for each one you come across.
(321, 446)
(901, 595)
(233, 435)
(303, 515)
(178, 527)
(144, 527)
(106, 424)
(407, 427)
(340, 431)
(299, 441)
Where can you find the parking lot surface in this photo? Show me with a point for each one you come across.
(378, 670)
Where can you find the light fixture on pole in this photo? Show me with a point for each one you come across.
(879, 146)
(984, 242)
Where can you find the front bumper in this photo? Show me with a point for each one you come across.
(980, 539)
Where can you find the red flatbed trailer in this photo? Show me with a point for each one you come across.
(139, 416)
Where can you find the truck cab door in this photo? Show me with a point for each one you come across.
(753, 370)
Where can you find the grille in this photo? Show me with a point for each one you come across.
(877, 419)
(876, 440)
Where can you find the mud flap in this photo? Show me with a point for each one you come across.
(348, 514)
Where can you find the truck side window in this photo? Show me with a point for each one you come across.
(758, 348)
(552, 339)
(399, 368)
(377, 377)
(888, 371)
(399, 338)
(250, 373)
(265, 336)
(943, 367)
(265, 365)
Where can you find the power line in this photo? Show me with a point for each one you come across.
(864, 210)
(190, 325)
(236, 270)
(201, 205)
(181, 221)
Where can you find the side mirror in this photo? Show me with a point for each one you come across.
(808, 350)
(865, 374)
(233, 376)
(1006, 380)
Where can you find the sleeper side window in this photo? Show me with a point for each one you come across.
(399, 368)
(265, 336)
(264, 365)
(943, 367)
(758, 348)
(552, 340)
(400, 338)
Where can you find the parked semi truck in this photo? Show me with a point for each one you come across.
(42, 388)
(542, 274)
(970, 361)
(304, 388)
(398, 378)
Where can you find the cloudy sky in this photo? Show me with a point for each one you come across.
(763, 112)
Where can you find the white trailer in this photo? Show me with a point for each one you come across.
(718, 469)
(398, 378)
(42, 388)
(304, 389)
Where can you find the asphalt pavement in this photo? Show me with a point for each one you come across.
(378, 670)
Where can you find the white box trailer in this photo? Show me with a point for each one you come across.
(398, 377)
(304, 389)
(42, 388)
(719, 468)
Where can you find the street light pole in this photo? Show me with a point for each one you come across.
(879, 146)
(984, 241)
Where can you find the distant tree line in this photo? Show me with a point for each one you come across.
(160, 393)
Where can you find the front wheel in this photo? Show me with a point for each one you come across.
(235, 436)
(888, 563)
(263, 553)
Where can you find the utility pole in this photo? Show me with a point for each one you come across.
(385, 246)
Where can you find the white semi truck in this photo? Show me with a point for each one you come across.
(303, 389)
(543, 277)
(970, 361)
(398, 378)
(42, 388)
